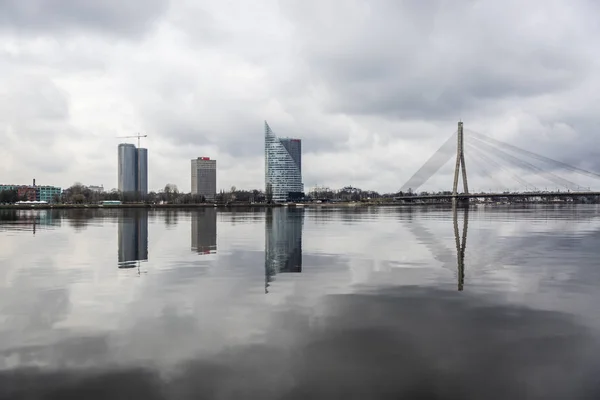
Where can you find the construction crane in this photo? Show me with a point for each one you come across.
(138, 136)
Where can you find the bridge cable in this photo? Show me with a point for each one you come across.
(492, 152)
(524, 164)
(488, 158)
(432, 165)
(480, 163)
(533, 155)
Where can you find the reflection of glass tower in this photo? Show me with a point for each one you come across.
(204, 231)
(283, 166)
(133, 237)
(283, 242)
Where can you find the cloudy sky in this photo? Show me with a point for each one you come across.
(373, 87)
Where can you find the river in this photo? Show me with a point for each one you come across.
(350, 303)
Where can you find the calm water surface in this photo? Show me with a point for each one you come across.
(355, 303)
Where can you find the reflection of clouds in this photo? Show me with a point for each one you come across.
(30, 308)
(369, 344)
(188, 305)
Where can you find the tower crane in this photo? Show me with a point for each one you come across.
(138, 136)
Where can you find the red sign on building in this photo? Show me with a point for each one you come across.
(205, 158)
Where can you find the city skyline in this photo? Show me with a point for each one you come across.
(369, 101)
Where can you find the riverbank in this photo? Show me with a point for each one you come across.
(190, 206)
(252, 205)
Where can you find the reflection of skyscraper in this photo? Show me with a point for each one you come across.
(204, 231)
(283, 241)
(133, 237)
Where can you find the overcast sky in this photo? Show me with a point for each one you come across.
(372, 87)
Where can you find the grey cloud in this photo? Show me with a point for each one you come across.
(32, 97)
(400, 71)
(433, 60)
(110, 17)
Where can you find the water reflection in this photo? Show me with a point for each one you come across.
(461, 243)
(355, 325)
(133, 237)
(283, 242)
(204, 231)
(29, 219)
(397, 342)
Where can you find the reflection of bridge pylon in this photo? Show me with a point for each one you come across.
(461, 243)
(460, 161)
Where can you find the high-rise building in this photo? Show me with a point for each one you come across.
(133, 169)
(204, 178)
(142, 171)
(283, 166)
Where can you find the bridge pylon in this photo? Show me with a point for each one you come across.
(460, 161)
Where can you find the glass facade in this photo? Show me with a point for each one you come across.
(283, 166)
(142, 171)
(132, 169)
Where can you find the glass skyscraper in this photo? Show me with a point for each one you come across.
(133, 169)
(283, 166)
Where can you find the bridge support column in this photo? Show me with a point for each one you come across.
(460, 162)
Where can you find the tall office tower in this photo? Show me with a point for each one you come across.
(283, 242)
(204, 231)
(283, 166)
(132, 237)
(142, 171)
(204, 178)
(127, 168)
(133, 169)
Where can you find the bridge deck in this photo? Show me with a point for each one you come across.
(497, 195)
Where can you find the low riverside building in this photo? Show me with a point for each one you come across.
(47, 193)
(34, 193)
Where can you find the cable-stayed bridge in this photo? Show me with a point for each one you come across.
(504, 166)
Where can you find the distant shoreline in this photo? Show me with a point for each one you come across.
(248, 205)
(184, 206)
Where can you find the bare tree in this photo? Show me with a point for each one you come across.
(269, 193)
